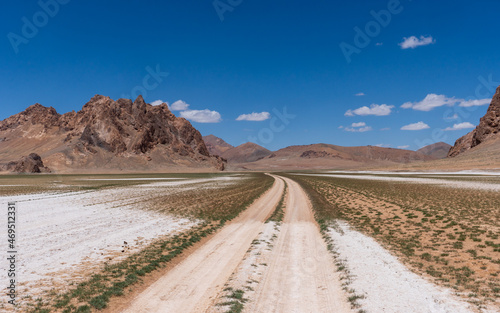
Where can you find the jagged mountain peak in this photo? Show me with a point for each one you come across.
(109, 129)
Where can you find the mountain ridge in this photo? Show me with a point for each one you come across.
(327, 156)
(121, 135)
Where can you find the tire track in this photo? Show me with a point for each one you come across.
(301, 276)
(193, 285)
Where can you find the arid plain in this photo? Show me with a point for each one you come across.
(327, 241)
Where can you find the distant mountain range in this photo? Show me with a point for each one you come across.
(316, 156)
(133, 136)
(247, 152)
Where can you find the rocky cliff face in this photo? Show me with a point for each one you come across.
(488, 128)
(111, 131)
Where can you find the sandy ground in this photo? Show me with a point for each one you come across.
(65, 237)
(431, 181)
(193, 285)
(249, 273)
(387, 285)
(301, 275)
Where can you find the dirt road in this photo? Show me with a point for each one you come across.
(192, 285)
(301, 276)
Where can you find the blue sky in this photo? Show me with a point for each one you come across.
(238, 57)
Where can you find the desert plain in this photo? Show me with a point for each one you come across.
(307, 241)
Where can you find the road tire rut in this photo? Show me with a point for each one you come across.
(193, 284)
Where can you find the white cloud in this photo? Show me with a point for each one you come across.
(415, 126)
(453, 117)
(383, 145)
(254, 117)
(404, 147)
(364, 129)
(360, 124)
(157, 102)
(202, 116)
(358, 130)
(430, 102)
(464, 125)
(374, 109)
(360, 94)
(359, 127)
(412, 42)
(470, 103)
(379, 43)
(385, 129)
(179, 105)
(433, 100)
(340, 127)
(407, 105)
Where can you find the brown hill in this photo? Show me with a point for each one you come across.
(247, 152)
(106, 135)
(325, 156)
(215, 145)
(485, 156)
(488, 129)
(439, 150)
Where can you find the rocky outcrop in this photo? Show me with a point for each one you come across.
(462, 144)
(35, 114)
(114, 129)
(489, 127)
(31, 164)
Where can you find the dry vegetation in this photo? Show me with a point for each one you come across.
(449, 235)
(214, 205)
(13, 185)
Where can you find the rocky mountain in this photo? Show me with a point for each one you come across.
(106, 135)
(247, 152)
(488, 129)
(215, 145)
(439, 150)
